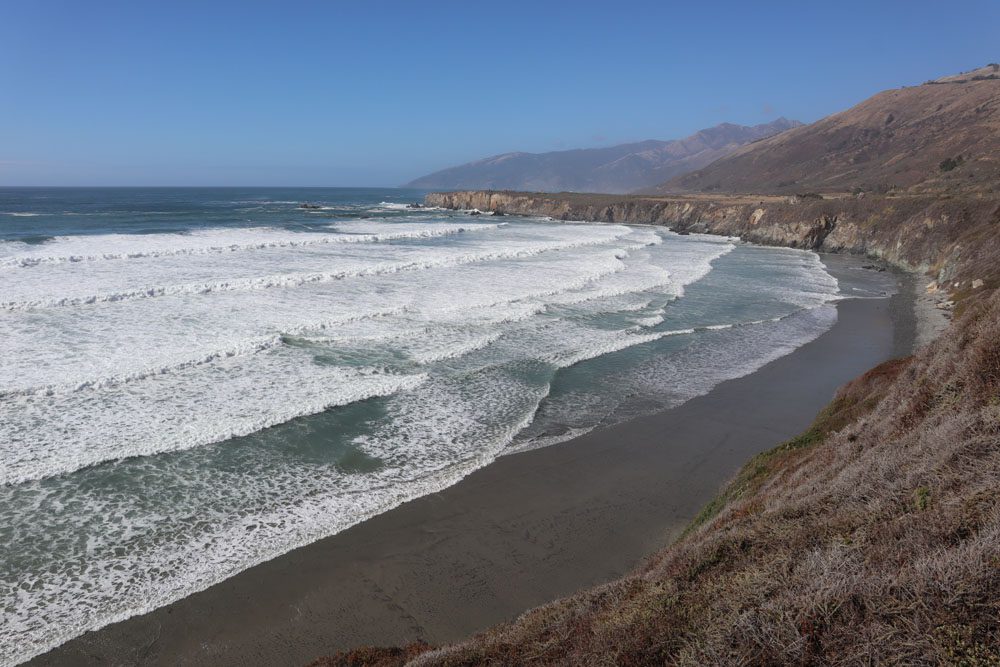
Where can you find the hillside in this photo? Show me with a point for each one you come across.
(942, 136)
(873, 537)
(870, 539)
(621, 168)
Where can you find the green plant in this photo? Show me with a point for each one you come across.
(948, 164)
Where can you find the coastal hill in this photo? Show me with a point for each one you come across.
(872, 537)
(943, 135)
(622, 168)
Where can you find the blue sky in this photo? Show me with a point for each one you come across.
(377, 93)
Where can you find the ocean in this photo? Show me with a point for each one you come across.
(197, 380)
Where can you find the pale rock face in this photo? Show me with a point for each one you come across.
(977, 283)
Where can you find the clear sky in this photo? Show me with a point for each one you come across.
(375, 93)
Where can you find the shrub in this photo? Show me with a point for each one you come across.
(948, 163)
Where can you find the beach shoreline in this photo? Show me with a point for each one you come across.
(528, 528)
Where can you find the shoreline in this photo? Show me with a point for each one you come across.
(526, 529)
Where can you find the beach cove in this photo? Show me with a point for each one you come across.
(528, 528)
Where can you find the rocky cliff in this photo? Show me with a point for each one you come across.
(942, 236)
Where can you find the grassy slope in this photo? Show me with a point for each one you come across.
(898, 140)
(873, 537)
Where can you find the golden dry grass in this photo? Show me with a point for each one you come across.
(872, 539)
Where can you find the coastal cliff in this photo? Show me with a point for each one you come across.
(871, 538)
(929, 234)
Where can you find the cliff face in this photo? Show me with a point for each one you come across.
(919, 233)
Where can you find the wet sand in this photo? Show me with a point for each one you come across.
(529, 528)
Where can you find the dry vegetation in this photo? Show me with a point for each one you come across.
(929, 138)
(874, 538)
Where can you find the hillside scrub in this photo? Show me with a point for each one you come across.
(873, 538)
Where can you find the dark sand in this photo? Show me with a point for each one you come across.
(527, 529)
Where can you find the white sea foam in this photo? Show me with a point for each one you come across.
(130, 246)
(194, 406)
(393, 206)
(123, 382)
(27, 290)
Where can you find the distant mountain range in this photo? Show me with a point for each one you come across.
(943, 135)
(615, 169)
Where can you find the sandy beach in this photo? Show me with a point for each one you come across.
(529, 528)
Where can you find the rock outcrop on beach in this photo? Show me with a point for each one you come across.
(942, 136)
(621, 168)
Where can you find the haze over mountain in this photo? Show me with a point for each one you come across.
(943, 135)
(615, 169)
(871, 537)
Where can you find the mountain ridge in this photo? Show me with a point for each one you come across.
(612, 169)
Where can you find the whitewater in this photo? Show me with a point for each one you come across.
(194, 381)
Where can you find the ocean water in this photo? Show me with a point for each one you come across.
(193, 381)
